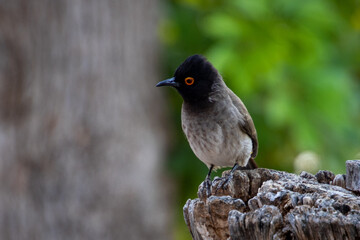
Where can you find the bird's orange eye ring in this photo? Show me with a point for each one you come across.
(189, 81)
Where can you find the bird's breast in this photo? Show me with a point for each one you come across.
(215, 137)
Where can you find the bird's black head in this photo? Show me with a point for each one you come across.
(194, 79)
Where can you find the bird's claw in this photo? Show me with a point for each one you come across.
(223, 185)
(205, 189)
(207, 186)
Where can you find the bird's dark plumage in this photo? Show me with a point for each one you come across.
(218, 126)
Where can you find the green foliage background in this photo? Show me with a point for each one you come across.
(296, 66)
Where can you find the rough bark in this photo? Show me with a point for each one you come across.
(81, 138)
(269, 204)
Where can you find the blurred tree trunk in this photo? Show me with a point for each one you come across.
(80, 134)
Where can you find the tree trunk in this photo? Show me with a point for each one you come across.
(268, 204)
(81, 139)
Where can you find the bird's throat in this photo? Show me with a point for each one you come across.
(198, 105)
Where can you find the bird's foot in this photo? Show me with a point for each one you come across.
(208, 184)
(229, 177)
(224, 184)
(205, 189)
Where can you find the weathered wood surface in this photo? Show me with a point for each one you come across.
(269, 204)
(353, 173)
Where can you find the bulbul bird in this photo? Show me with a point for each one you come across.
(216, 123)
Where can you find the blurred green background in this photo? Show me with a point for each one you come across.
(295, 65)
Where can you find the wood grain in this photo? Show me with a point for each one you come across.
(270, 204)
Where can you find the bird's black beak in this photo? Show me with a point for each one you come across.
(168, 82)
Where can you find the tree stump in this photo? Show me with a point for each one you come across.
(270, 204)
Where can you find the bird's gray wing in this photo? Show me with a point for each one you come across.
(246, 125)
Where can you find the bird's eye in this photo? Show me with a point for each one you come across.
(189, 81)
